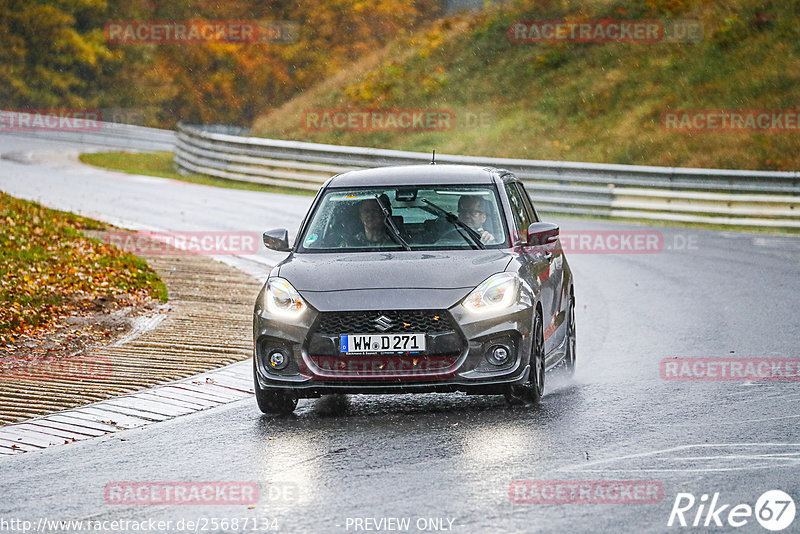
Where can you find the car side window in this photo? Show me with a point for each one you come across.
(526, 199)
(522, 218)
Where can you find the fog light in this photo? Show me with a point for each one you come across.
(278, 360)
(498, 355)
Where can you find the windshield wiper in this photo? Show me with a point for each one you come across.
(453, 218)
(389, 222)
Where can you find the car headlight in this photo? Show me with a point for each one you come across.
(495, 293)
(281, 298)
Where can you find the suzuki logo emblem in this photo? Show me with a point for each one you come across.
(383, 323)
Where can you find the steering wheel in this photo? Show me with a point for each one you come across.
(453, 235)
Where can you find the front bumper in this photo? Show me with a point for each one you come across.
(455, 359)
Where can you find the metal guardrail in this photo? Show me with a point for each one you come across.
(108, 134)
(713, 196)
(724, 197)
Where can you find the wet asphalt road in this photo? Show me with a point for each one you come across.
(436, 458)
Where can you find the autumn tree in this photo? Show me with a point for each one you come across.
(52, 53)
(55, 55)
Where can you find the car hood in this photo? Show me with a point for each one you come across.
(393, 270)
(390, 280)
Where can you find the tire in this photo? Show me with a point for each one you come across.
(273, 401)
(571, 354)
(533, 390)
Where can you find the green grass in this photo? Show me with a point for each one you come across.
(50, 269)
(161, 164)
(592, 102)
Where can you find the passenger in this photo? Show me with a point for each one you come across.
(375, 231)
(472, 212)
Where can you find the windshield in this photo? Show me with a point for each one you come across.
(406, 218)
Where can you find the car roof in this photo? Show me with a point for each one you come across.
(416, 175)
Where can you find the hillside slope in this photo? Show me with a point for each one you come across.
(598, 102)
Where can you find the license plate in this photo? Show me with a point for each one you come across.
(362, 343)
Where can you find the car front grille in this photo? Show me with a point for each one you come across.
(384, 322)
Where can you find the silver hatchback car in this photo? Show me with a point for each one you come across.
(425, 278)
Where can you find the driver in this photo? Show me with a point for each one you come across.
(472, 212)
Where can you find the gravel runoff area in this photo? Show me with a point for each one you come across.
(208, 324)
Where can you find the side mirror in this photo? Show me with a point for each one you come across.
(277, 239)
(542, 233)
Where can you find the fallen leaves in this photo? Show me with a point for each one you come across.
(49, 270)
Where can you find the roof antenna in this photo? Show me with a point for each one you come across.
(433, 158)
